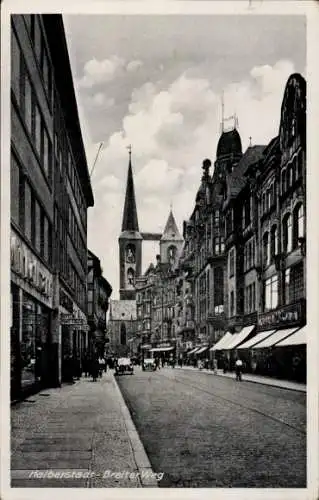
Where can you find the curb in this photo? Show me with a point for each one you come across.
(140, 457)
(299, 389)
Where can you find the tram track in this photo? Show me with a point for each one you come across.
(186, 382)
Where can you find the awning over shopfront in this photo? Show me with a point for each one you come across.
(297, 338)
(256, 339)
(192, 351)
(161, 349)
(223, 341)
(275, 338)
(146, 346)
(202, 349)
(238, 338)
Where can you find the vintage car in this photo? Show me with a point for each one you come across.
(149, 364)
(124, 366)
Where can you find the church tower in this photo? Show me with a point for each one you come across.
(130, 241)
(171, 242)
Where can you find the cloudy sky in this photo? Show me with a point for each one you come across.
(155, 82)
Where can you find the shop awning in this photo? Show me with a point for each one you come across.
(275, 338)
(297, 338)
(202, 349)
(161, 349)
(238, 338)
(146, 346)
(256, 339)
(192, 350)
(223, 341)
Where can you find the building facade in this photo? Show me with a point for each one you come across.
(50, 195)
(99, 292)
(244, 258)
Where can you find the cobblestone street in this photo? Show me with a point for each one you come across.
(203, 430)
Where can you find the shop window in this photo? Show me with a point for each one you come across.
(287, 233)
(271, 293)
(15, 67)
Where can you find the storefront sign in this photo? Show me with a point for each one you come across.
(287, 315)
(26, 265)
(74, 321)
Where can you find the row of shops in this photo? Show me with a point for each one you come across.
(278, 351)
(47, 327)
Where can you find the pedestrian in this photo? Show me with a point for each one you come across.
(215, 366)
(238, 368)
(94, 368)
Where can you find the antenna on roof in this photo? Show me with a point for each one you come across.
(223, 113)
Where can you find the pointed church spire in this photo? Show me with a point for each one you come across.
(171, 231)
(130, 222)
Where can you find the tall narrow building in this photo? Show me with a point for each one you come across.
(130, 242)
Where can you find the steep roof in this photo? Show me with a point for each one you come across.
(122, 310)
(171, 232)
(236, 180)
(130, 222)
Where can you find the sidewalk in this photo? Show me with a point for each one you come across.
(284, 384)
(84, 430)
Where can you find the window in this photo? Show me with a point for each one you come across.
(15, 190)
(37, 129)
(271, 293)
(46, 154)
(219, 245)
(15, 66)
(283, 182)
(37, 226)
(274, 242)
(232, 304)
(216, 219)
(37, 39)
(266, 252)
(298, 223)
(46, 239)
(232, 262)
(28, 103)
(27, 210)
(218, 288)
(287, 233)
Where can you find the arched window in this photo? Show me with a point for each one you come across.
(298, 223)
(123, 334)
(130, 276)
(287, 233)
(171, 254)
(289, 176)
(130, 253)
(266, 253)
(274, 242)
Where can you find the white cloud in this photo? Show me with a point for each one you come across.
(97, 72)
(172, 130)
(100, 100)
(134, 65)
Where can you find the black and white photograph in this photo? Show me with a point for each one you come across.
(158, 327)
